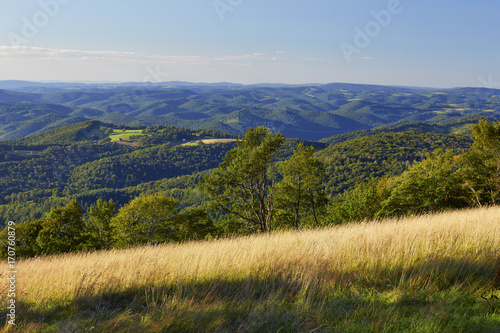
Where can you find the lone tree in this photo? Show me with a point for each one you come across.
(244, 183)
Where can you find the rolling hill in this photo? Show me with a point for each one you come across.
(310, 112)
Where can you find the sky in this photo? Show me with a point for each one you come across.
(440, 43)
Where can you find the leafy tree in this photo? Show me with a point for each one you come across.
(192, 224)
(99, 223)
(480, 166)
(430, 185)
(244, 183)
(144, 220)
(26, 235)
(363, 202)
(63, 230)
(300, 188)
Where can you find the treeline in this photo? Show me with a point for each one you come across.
(148, 219)
(443, 180)
(34, 204)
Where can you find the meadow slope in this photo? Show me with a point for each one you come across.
(430, 273)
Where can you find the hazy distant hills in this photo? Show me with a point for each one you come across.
(309, 112)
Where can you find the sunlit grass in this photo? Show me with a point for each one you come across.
(208, 141)
(124, 135)
(423, 274)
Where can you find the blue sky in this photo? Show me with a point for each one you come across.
(440, 43)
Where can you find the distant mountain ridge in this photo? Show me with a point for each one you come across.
(310, 112)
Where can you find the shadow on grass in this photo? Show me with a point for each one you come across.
(432, 273)
(281, 302)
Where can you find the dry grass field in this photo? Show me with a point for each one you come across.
(430, 273)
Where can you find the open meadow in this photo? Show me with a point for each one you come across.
(432, 273)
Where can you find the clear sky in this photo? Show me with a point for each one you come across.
(432, 43)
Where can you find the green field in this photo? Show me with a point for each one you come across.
(124, 135)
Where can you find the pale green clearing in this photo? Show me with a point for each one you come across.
(125, 136)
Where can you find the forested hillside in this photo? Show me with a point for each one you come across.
(240, 164)
(86, 161)
(43, 170)
(209, 185)
(360, 160)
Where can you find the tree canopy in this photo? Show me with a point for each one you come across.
(243, 185)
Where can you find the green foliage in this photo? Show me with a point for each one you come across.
(35, 178)
(243, 185)
(441, 181)
(146, 165)
(429, 186)
(65, 135)
(25, 243)
(382, 155)
(192, 224)
(62, 230)
(480, 170)
(363, 202)
(299, 189)
(144, 220)
(459, 126)
(99, 223)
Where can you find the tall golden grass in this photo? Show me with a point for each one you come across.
(450, 250)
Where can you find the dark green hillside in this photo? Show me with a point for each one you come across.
(459, 126)
(36, 167)
(146, 165)
(118, 118)
(359, 160)
(78, 161)
(12, 111)
(66, 135)
(37, 125)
